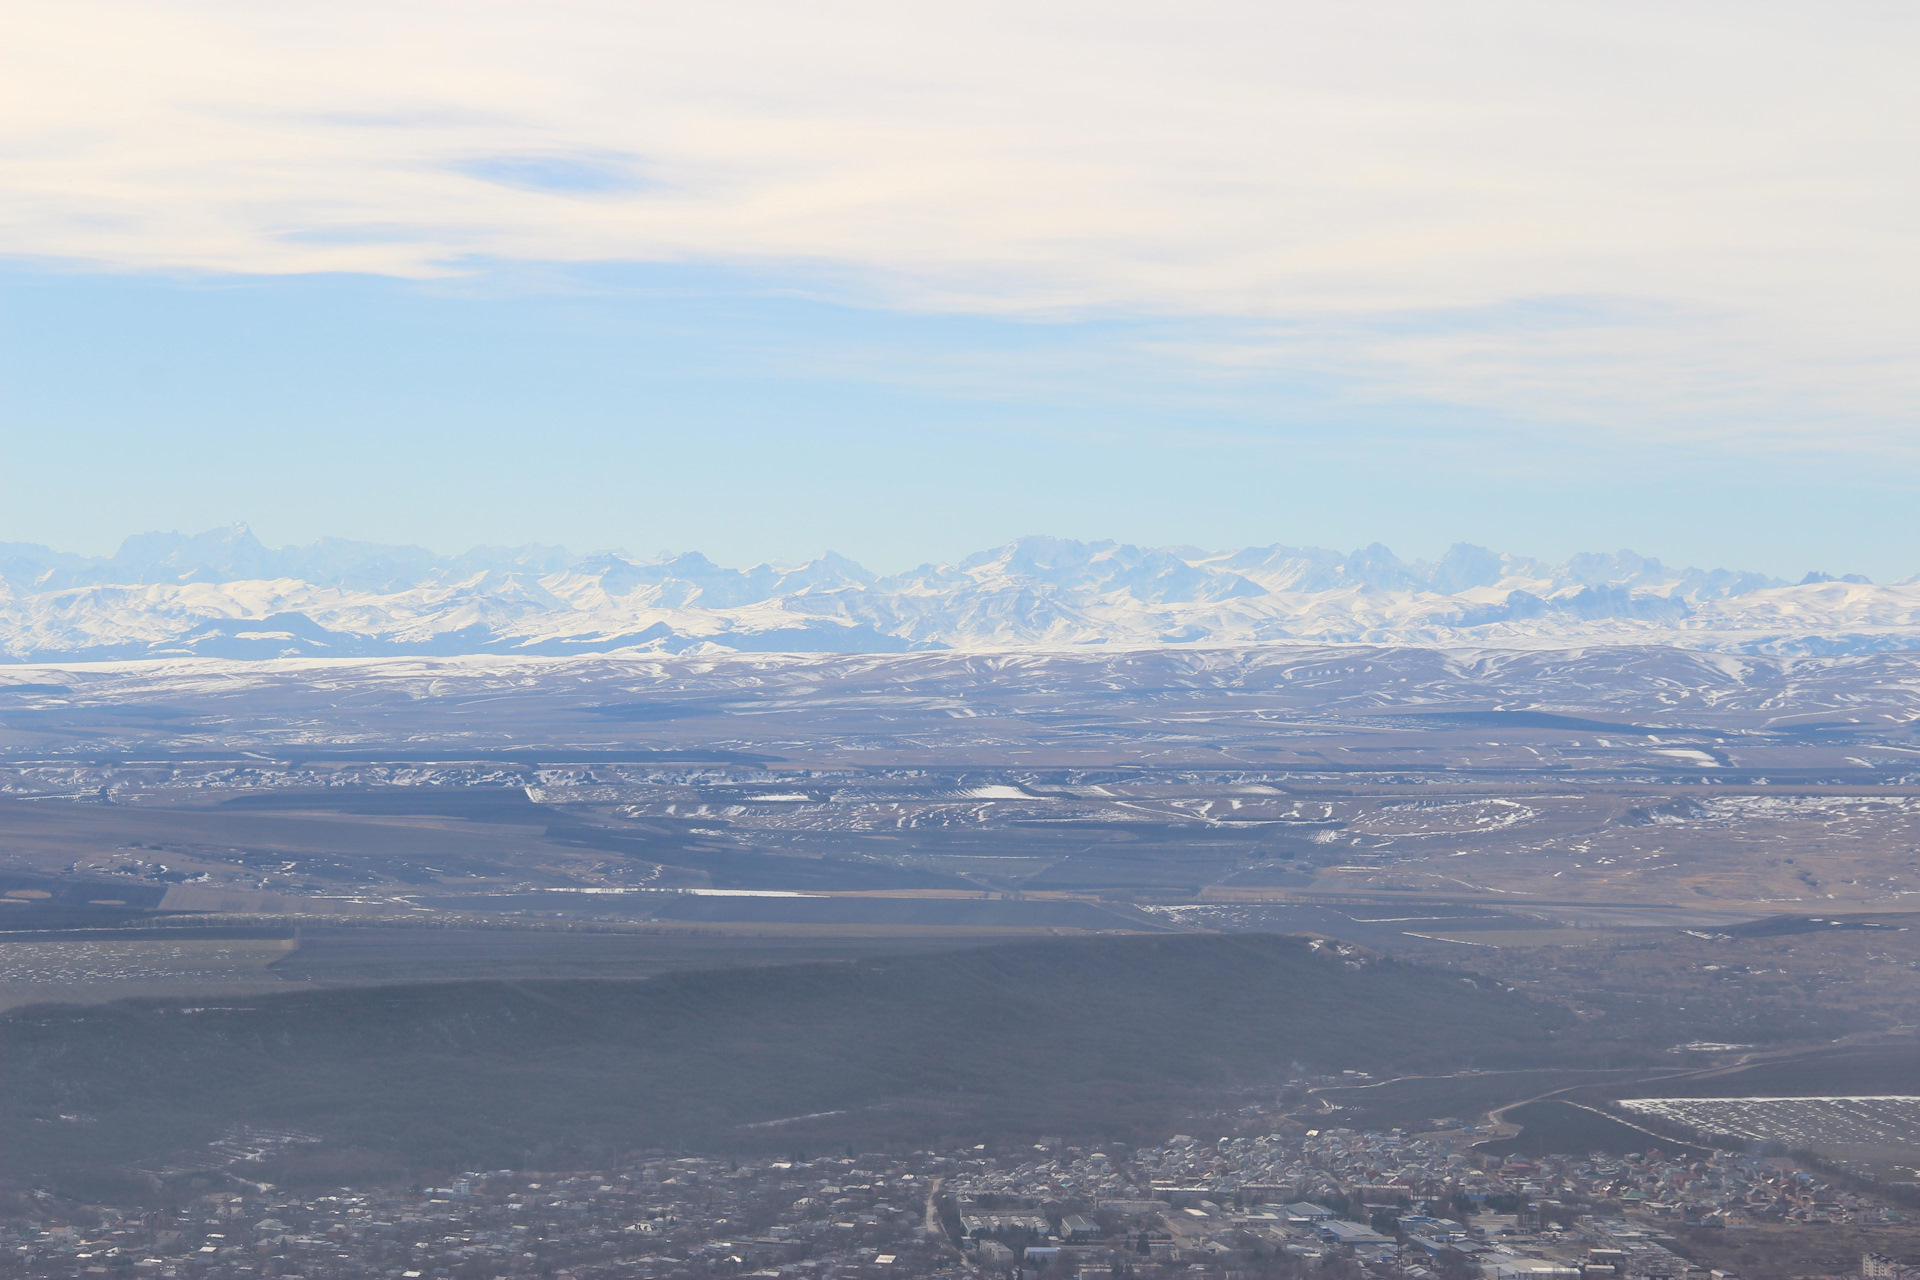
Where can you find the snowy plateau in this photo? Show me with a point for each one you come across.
(225, 594)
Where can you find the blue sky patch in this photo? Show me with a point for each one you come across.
(560, 174)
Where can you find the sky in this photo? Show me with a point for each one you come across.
(905, 281)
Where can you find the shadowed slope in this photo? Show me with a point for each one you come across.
(1101, 1036)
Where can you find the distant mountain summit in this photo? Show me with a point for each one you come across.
(224, 593)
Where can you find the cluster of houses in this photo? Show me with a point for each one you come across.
(1283, 1205)
(1399, 1204)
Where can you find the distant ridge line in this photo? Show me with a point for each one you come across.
(225, 594)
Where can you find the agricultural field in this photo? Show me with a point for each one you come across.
(1876, 1135)
(94, 968)
(1797, 1122)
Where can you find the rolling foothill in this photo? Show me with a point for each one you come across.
(1526, 964)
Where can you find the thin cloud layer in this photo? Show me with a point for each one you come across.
(1661, 218)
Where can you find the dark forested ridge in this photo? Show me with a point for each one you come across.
(1106, 1036)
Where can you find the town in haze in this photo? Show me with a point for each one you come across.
(1265, 1203)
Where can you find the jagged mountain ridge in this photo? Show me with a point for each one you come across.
(226, 594)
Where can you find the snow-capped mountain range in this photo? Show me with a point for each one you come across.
(225, 594)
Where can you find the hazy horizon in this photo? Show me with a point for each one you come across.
(905, 283)
(146, 539)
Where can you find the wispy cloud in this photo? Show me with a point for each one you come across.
(561, 174)
(1654, 217)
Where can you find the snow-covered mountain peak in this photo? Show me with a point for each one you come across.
(225, 593)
